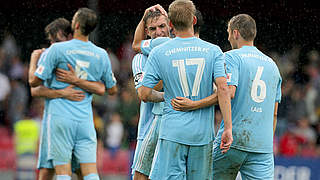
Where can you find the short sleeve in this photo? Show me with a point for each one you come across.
(47, 63)
(147, 45)
(137, 69)
(108, 76)
(152, 71)
(219, 64)
(232, 69)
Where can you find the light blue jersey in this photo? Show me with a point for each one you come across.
(45, 83)
(90, 63)
(258, 83)
(43, 161)
(146, 115)
(147, 45)
(188, 67)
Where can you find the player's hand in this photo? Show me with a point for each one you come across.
(155, 7)
(182, 104)
(67, 76)
(35, 55)
(72, 94)
(226, 140)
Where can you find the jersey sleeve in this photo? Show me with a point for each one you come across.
(147, 45)
(47, 64)
(278, 96)
(219, 64)
(108, 77)
(152, 73)
(137, 70)
(232, 68)
(42, 57)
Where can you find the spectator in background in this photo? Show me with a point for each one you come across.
(18, 100)
(5, 88)
(307, 133)
(27, 132)
(114, 62)
(114, 134)
(289, 144)
(284, 107)
(125, 55)
(304, 130)
(298, 106)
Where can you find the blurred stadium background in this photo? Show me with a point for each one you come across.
(288, 31)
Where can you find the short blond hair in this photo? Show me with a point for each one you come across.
(181, 13)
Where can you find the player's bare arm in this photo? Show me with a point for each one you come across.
(34, 80)
(140, 34)
(150, 95)
(67, 93)
(225, 106)
(186, 104)
(71, 78)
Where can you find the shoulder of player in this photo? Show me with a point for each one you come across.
(233, 53)
(209, 45)
(45, 52)
(98, 49)
(138, 58)
(58, 46)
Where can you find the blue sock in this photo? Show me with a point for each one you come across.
(91, 176)
(63, 177)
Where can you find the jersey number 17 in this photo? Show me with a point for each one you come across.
(200, 62)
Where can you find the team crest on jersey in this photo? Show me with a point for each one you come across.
(138, 78)
(40, 69)
(146, 43)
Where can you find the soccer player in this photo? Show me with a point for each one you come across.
(57, 31)
(255, 84)
(156, 25)
(187, 66)
(71, 123)
(145, 46)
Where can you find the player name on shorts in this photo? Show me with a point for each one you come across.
(186, 49)
(82, 52)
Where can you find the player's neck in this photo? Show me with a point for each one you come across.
(245, 43)
(185, 34)
(80, 37)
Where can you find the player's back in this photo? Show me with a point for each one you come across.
(90, 63)
(187, 68)
(258, 88)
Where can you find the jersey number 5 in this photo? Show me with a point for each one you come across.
(80, 73)
(258, 83)
(200, 62)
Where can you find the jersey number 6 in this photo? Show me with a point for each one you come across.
(258, 83)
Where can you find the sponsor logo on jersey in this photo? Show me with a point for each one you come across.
(146, 43)
(40, 69)
(229, 77)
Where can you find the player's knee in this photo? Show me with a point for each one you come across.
(63, 177)
(92, 176)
